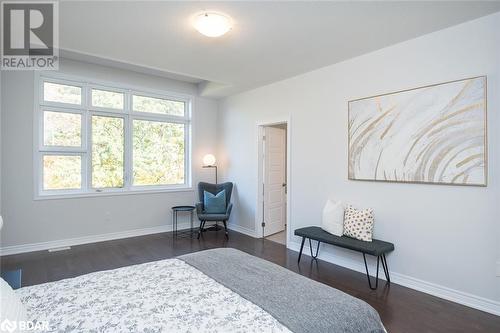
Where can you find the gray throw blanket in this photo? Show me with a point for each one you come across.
(299, 303)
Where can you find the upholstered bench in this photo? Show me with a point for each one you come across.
(375, 248)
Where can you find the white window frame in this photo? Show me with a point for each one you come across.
(85, 150)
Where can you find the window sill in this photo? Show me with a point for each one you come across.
(59, 196)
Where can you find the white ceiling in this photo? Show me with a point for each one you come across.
(270, 41)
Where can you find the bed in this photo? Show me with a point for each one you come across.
(219, 290)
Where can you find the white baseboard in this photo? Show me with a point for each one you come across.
(242, 230)
(24, 248)
(470, 300)
(16, 249)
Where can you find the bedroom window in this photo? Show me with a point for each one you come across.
(97, 139)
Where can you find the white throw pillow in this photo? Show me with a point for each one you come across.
(359, 223)
(333, 217)
(12, 308)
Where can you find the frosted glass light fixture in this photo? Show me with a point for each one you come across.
(212, 24)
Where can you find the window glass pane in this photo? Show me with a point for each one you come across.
(107, 151)
(61, 93)
(107, 99)
(157, 105)
(158, 153)
(62, 172)
(62, 129)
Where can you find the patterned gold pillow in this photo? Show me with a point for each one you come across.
(358, 223)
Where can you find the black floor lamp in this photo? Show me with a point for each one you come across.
(209, 162)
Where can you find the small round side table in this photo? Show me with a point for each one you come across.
(175, 211)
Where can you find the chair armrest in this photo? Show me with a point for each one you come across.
(199, 208)
(228, 210)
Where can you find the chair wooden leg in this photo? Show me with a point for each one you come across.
(225, 229)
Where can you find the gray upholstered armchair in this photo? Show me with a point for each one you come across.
(203, 216)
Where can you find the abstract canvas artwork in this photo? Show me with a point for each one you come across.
(434, 134)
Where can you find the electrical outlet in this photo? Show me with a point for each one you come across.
(107, 216)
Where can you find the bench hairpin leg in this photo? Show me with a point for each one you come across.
(311, 248)
(368, 274)
(301, 248)
(386, 268)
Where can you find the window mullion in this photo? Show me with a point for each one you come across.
(187, 154)
(160, 117)
(88, 138)
(88, 152)
(128, 172)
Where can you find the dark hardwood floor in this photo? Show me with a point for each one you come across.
(401, 309)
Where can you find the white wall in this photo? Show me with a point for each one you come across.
(0, 144)
(28, 221)
(445, 236)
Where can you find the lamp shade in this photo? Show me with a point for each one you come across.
(209, 160)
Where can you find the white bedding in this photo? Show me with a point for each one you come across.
(162, 296)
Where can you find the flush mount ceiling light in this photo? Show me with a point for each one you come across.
(212, 24)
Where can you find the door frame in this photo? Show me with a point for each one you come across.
(260, 175)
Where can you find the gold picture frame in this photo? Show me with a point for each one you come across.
(385, 123)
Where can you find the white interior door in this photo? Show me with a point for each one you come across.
(274, 180)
